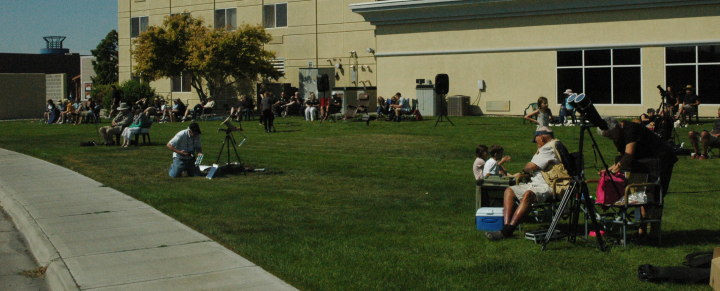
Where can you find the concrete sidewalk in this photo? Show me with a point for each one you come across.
(93, 237)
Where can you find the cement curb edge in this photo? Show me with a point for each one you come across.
(57, 275)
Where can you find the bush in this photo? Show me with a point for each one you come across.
(132, 91)
(102, 94)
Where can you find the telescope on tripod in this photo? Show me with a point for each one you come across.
(577, 194)
(228, 143)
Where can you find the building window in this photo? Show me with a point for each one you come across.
(182, 83)
(698, 66)
(226, 19)
(138, 25)
(609, 76)
(275, 15)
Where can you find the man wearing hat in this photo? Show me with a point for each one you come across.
(538, 190)
(122, 120)
(186, 147)
(689, 105)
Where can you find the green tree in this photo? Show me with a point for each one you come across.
(216, 59)
(106, 60)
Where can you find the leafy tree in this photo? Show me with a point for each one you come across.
(106, 60)
(216, 58)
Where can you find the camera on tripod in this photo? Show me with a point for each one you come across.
(662, 91)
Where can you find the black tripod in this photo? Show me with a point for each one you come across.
(443, 111)
(576, 194)
(228, 143)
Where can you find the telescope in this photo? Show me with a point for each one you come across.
(583, 105)
(229, 127)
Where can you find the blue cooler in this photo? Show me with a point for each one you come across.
(489, 218)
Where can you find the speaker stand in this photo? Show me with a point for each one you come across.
(443, 112)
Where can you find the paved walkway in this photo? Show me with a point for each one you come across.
(93, 237)
(15, 259)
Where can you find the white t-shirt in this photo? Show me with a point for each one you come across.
(478, 166)
(491, 167)
(543, 158)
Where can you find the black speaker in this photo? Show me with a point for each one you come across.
(442, 84)
(323, 83)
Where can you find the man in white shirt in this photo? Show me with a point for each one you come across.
(537, 190)
(186, 147)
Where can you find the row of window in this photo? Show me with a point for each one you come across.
(613, 76)
(274, 15)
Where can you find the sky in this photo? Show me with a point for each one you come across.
(24, 23)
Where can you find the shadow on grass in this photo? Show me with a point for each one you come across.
(689, 237)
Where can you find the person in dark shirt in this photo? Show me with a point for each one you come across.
(634, 143)
(266, 107)
(689, 105)
(707, 138)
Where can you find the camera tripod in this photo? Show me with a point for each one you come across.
(577, 194)
(443, 111)
(228, 143)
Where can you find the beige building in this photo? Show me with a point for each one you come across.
(306, 33)
(503, 54)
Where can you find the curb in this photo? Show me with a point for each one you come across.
(57, 275)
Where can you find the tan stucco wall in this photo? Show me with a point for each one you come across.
(338, 32)
(522, 65)
(22, 96)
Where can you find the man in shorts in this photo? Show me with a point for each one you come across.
(709, 139)
(537, 190)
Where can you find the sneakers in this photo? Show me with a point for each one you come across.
(702, 157)
(495, 235)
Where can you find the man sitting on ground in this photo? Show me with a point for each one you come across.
(538, 190)
(708, 140)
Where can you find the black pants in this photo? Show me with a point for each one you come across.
(268, 119)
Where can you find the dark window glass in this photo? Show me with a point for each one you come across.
(176, 84)
(281, 15)
(597, 85)
(231, 18)
(680, 76)
(181, 83)
(143, 24)
(569, 58)
(187, 82)
(709, 84)
(597, 57)
(684, 54)
(626, 56)
(568, 79)
(269, 16)
(626, 85)
(134, 27)
(220, 18)
(709, 54)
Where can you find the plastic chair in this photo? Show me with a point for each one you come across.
(632, 211)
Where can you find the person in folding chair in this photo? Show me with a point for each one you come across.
(538, 190)
(636, 143)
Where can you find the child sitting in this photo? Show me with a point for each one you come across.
(493, 166)
(481, 154)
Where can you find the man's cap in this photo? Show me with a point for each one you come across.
(194, 127)
(689, 87)
(334, 93)
(123, 106)
(568, 92)
(543, 130)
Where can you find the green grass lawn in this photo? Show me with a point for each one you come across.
(387, 206)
